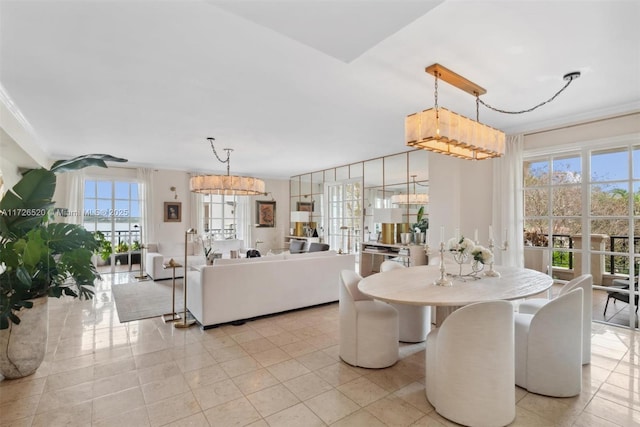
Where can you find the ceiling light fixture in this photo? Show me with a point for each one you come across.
(411, 199)
(443, 131)
(228, 185)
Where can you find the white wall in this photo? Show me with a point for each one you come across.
(272, 238)
(594, 130)
(162, 181)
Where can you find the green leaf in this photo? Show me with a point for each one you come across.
(25, 205)
(24, 278)
(34, 250)
(81, 162)
(63, 237)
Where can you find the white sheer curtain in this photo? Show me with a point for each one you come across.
(145, 177)
(75, 194)
(243, 216)
(508, 213)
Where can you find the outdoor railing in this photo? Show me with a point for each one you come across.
(614, 264)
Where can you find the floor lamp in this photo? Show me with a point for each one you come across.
(185, 323)
(142, 275)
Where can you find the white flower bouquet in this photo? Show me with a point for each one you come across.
(463, 246)
(482, 254)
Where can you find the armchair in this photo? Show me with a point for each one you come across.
(469, 376)
(368, 328)
(548, 347)
(585, 281)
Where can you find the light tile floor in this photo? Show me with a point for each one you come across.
(278, 371)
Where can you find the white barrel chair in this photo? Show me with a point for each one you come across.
(469, 372)
(548, 347)
(368, 328)
(415, 320)
(585, 281)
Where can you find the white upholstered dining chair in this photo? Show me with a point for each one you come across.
(414, 320)
(469, 376)
(585, 281)
(368, 328)
(548, 347)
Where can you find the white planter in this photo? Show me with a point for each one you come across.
(23, 346)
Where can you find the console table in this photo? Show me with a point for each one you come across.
(373, 254)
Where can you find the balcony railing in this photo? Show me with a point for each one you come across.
(614, 264)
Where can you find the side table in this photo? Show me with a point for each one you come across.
(173, 316)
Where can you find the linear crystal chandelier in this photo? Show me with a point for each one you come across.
(442, 131)
(228, 185)
(411, 199)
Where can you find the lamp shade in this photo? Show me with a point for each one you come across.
(410, 199)
(299, 216)
(387, 215)
(446, 132)
(227, 185)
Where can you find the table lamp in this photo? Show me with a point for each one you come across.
(299, 217)
(388, 217)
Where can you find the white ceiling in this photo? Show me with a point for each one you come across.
(304, 85)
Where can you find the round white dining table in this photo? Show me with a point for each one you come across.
(416, 286)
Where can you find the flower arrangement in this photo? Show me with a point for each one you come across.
(482, 254)
(463, 246)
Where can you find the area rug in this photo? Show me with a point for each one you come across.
(142, 300)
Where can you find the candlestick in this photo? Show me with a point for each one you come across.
(442, 281)
(491, 272)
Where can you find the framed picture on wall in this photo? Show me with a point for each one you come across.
(304, 206)
(172, 211)
(265, 213)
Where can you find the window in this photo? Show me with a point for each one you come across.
(591, 191)
(220, 217)
(113, 208)
(345, 215)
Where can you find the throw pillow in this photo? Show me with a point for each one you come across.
(296, 246)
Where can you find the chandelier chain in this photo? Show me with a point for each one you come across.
(228, 150)
(435, 93)
(478, 100)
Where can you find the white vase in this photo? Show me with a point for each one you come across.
(23, 346)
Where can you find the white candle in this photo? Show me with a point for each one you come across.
(475, 235)
(506, 234)
(490, 231)
(427, 238)
(442, 234)
(457, 234)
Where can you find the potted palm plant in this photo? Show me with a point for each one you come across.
(420, 226)
(39, 258)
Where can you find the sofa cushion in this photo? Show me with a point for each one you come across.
(296, 246)
(229, 261)
(309, 254)
(175, 249)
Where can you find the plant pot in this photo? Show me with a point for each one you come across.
(22, 347)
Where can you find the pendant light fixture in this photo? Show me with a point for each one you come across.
(410, 199)
(442, 131)
(228, 185)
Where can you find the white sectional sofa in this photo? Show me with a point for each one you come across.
(160, 253)
(239, 289)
